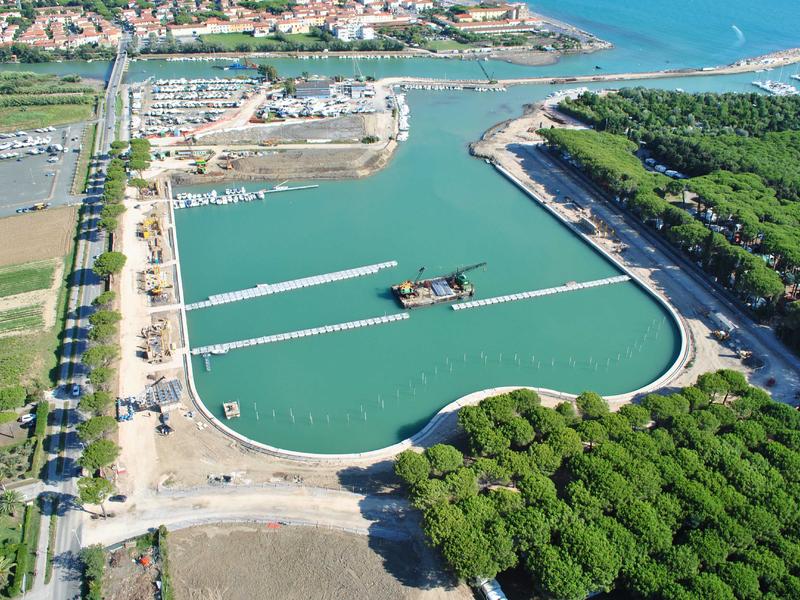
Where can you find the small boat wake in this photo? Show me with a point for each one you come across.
(740, 39)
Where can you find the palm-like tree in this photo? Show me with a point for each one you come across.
(10, 501)
(6, 566)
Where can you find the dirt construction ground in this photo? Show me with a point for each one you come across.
(36, 236)
(244, 562)
(347, 128)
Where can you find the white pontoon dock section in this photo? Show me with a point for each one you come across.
(266, 289)
(293, 335)
(569, 287)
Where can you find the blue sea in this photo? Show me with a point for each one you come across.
(681, 33)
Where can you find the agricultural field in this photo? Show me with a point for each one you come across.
(19, 279)
(30, 100)
(36, 236)
(23, 318)
(35, 261)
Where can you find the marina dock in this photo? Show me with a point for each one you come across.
(282, 188)
(568, 287)
(267, 289)
(293, 335)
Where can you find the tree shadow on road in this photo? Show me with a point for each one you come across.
(68, 566)
(378, 477)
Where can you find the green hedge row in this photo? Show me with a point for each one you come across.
(19, 571)
(55, 99)
(166, 580)
(42, 412)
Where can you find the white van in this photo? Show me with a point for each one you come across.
(490, 590)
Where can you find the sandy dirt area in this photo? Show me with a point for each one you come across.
(346, 128)
(242, 562)
(36, 236)
(329, 161)
(127, 579)
(526, 57)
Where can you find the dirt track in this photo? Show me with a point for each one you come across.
(234, 562)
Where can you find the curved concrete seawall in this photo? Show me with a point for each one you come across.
(444, 422)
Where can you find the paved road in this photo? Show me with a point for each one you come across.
(84, 288)
(695, 289)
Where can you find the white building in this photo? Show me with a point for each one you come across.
(348, 32)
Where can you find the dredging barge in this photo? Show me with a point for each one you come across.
(436, 290)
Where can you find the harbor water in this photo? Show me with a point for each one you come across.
(433, 206)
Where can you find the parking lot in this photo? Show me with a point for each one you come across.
(28, 179)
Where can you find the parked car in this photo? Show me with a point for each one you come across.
(27, 418)
(118, 498)
(76, 390)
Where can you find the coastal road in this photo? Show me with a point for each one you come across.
(683, 283)
(84, 287)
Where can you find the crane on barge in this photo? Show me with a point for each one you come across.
(444, 288)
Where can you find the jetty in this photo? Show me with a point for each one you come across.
(283, 188)
(567, 287)
(267, 289)
(293, 335)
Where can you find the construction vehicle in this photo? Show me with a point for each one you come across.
(489, 78)
(40, 206)
(444, 288)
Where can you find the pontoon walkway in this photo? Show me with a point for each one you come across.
(293, 335)
(569, 287)
(265, 289)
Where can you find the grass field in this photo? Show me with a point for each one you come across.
(11, 528)
(445, 45)
(19, 279)
(33, 117)
(25, 317)
(230, 41)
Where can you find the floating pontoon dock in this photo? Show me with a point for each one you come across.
(283, 188)
(266, 289)
(292, 335)
(569, 287)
